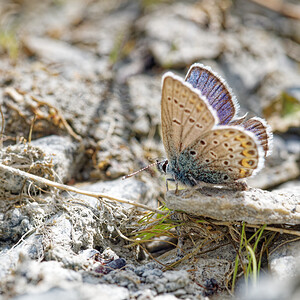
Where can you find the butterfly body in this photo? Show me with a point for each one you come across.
(204, 139)
(183, 170)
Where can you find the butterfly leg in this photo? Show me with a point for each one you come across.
(167, 185)
(176, 183)
(176, 190)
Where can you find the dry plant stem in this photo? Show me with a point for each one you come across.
(274, 229)
(152, 257)
(31, 128)
(195, 252)
(286, 242)
(18, 111)
(2, 127)
(60, 186)
(63, 120)
(139, 242)
(280, 230)
(140, 245)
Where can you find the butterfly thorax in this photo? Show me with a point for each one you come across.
(182, 169)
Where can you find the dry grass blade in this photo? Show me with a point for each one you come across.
(61, 118)
(275, 229)
(31, 129)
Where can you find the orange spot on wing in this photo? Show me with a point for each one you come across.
(240, 138)
(247, 163)
(192, 100)
(199, 108)
(248, 153)
(246, 144)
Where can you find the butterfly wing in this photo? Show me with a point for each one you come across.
(223, 155)
(185, 114)
(216, 90)
(262, 131)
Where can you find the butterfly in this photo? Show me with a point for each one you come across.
(204, 139)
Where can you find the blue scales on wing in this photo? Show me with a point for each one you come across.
(217, 92)
(261, 129)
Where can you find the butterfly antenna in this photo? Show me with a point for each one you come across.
(136, 172)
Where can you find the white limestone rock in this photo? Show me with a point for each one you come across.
(254, 206)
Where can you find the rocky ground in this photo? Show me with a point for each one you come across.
(80, 108)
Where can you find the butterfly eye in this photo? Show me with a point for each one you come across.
(164, 167)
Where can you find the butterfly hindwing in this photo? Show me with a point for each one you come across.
(262, 131)
(223, 155)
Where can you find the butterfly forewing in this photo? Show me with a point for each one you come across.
(166, 117)
(186, 114)
(217, 92)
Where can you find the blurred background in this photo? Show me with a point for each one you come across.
(97, 65)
